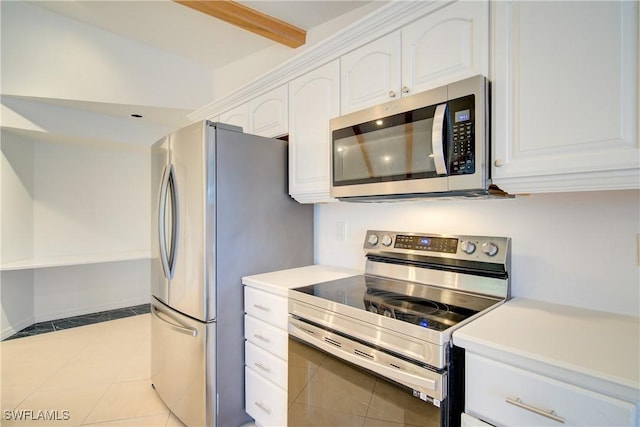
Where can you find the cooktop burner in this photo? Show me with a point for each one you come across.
(423, 305)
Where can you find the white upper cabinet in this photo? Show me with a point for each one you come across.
(314, 99)
(266, 115)
(370, 75)
(565, 96)
(449, 44)
(238, 116)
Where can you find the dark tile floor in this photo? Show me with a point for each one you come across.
(85, 319)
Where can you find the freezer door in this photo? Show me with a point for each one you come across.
(191, 288)
(183, 365)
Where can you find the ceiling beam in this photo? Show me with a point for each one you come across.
(250, 20)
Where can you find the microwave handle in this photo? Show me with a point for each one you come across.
(437, 139)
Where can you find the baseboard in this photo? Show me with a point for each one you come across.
(45, 317)
(12, 329)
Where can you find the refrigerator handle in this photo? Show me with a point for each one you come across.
(167, 189)
(176, 327)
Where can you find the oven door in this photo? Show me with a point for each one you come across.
(326, 388)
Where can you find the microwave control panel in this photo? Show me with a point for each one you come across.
(462, 155)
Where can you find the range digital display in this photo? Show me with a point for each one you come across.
(427, 243)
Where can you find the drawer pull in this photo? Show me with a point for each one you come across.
(263, 407)
(262, 338)
(261, 366)
(262, 307)
(520, 404)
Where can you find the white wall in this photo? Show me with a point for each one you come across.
(578, 249)
(16, 237)
(90, 200)
(80, 289)
(16, 194)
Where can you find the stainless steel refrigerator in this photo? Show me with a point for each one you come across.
(220, 211)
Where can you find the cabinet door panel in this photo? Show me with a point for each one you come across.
(313, 101)
(239, 116)
(448, 45)
(269, 113)
(565, 95)
(370, 75)
(491, 385)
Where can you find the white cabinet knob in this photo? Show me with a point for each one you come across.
(405, 89)
(498, 163)
(392, 94)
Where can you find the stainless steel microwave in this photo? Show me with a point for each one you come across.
(434, 143)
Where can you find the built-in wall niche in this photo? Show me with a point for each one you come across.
(75, 229)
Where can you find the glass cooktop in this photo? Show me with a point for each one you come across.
(427, 306)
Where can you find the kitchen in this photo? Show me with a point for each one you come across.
(577, 248)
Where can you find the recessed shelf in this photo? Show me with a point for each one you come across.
(69, 260)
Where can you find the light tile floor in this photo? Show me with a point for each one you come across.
(96, 375)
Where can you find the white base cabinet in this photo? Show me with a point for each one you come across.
(266, 354)
(502, 394)
(565, 95)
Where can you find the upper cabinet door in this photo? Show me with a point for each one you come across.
(565, 95)
(370, 75)
(314, 99)
(239, 116)
(268, 114)
(449, 44)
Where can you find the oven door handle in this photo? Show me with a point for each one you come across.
(431, 387)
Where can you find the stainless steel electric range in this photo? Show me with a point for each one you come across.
(394, 324)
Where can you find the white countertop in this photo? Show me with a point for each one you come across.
(279, 282)
(592, 349)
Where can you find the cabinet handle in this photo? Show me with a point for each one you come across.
(498, 163)
(520, 404)
(405, 89)
(392, 94)
(261, 366)
(262, 338)
(262, 307)
(263, 407)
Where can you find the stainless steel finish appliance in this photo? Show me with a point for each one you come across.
(396, 320)
(431, 144)
(220, 211)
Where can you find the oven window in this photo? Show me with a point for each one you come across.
(326, 391)
(393, 148)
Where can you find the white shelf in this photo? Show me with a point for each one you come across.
(68, 260)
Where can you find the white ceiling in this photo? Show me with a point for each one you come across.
(174, 28)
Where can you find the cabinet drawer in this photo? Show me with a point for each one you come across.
(490, 386)
(265, 306)
(265, 336)
(265, 402)
(266, 364)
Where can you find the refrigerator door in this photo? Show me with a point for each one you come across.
(159, 168)
(191, 287)
(181, 372)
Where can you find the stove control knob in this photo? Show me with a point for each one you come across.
(388, 313)
(372, 240)
(489, 248)
(468, 247)
(386, 240)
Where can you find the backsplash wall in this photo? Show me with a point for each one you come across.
(578, 249)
